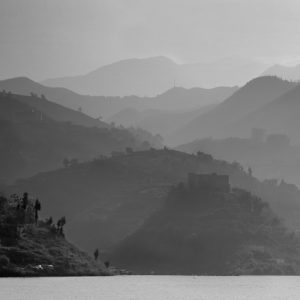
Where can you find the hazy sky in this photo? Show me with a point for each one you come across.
(46, 38)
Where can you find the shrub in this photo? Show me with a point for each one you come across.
(4, 261)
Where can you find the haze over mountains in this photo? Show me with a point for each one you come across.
(37, 135)
(26, 86)
(159, 115)
(267, 155)
(112, 197)
(284, 72)
(101, 161)
(154, 75)
(251, 97)
(160, 136)
(175, 99)
(278, 116)
(163, 121)
(181, 115)
(171, 110)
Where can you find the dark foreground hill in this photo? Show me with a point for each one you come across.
(206, 230)
(29, 249)
(32, 141)
(111, 197)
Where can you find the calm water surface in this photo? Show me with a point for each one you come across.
(151, 288)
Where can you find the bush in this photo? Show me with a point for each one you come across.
(4, 261)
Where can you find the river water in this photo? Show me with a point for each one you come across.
(151, 288)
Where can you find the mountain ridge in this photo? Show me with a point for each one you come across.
(32, 141)
(152, 76)
(285, 72)
(105, 107)
(120, 192)
(278, 116)
(250, 97)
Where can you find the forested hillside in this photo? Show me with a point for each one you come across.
(219, 122)
(205, 230)
(112, 197)
(32, 140)
(268, 155)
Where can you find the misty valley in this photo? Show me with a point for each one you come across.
(149, 150)
(180, 181)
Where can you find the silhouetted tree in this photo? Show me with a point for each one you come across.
(96, 254)
(107, 264)
(129, 150)
(145, 145)
(4, 261)
(25, 200)
(60, 224)
(73, 162)
(250, 171)
(37, 207)
(66, 163)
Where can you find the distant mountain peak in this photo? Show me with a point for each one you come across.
(285, 72)
(175, 90)
(20, 79)
(264, 80)
(135, 61)
(154, 75)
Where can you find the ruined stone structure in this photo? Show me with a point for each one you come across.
(213, 182)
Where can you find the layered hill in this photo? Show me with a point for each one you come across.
(154, 75)
(271, 157)
(33, 141)
(111, 197)
(25, 86)
(251, 97)
(182, 99)
(205, 230)
(278, 116)
(58, 112)
(173, 99)
(158, 121)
